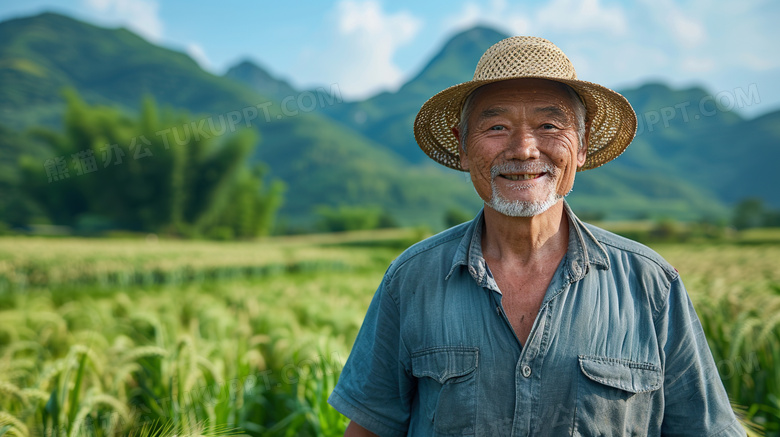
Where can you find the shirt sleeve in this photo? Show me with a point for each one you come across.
(696, 402)
(375, 386)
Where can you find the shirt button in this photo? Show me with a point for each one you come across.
(526, 371)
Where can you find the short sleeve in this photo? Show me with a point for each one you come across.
(375, 387)
(695, 400)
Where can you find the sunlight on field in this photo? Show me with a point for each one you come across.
(72, 261)
(126, 337)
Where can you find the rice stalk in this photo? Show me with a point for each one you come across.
(743, 331)
(75, 392)
(8, 389)
(142, 352)
(21, 346)
(35, 394)
(12, 425)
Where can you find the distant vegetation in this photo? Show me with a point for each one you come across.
(347, 218)
(335, 153)
(107, 171)
(753, 213)
(126, 337)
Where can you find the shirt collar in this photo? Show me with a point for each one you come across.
(583, 250)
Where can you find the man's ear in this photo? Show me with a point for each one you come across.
(582, 153)
(461, 151)
(456, 132)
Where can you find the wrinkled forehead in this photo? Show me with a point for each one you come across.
(524, 90)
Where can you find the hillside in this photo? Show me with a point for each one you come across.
(683, 163)
(388, 117)
(260, 80)
(321, 162)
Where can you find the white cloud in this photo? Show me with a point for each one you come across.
(140, 16)
(758, 61)
(578, 27)
(360, 56)
(469, 16)
(690, 32)
(711, 37)
(197, 53)
(698, 65)
(685, 25)
(558, 16)
(575, 16)
(496, 14)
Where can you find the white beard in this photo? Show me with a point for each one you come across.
(524, 208)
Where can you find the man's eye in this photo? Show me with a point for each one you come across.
(498, 127)
(548, 126)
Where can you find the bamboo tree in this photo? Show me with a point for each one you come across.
(142, 176)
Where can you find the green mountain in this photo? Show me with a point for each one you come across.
(321, 162)
(260, 80)
(690, 159)
(685, 134)
(388, 117)
(41, 55)
(682, 162)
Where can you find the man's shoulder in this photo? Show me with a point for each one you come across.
(618, 246)
(433, 251)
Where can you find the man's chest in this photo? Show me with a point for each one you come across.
(521, 298)
(588, 342)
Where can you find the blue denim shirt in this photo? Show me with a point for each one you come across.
(616, 348)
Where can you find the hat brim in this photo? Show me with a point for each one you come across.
(612, 120)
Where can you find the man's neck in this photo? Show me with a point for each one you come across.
(523, 241)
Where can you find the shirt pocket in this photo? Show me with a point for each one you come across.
(616, 397)
(447, 387)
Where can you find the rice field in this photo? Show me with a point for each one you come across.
(142, 337)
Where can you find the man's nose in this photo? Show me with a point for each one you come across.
(523, 145)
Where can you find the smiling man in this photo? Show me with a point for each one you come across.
(526, 321)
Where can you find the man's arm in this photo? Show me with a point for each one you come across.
(695, 399)
(375, 387)
(355, 430)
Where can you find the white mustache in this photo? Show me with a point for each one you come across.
(518, 167)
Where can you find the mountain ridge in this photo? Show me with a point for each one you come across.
(378, 164)
(127, 67)
(260, 80)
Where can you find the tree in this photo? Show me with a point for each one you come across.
(16, 209)
(348, 218)
(454, 216)
(252, 208)
(153, 174)
(749, 213)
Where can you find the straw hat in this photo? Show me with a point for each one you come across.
(613, 121)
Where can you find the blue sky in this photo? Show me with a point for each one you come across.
(366, 46)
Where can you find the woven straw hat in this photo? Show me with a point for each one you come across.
(613, 121)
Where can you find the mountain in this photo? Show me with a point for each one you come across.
(260, 80)
(41, 55)
(321, 162)
(688, 134)
(691, 158)
(681, 164)
(388, 117)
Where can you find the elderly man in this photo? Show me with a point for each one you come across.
(526, 321)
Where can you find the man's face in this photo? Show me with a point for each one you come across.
(522, 149)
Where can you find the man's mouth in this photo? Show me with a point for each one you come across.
(522, 177)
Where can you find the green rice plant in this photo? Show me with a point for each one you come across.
(734, 289)
(34, 262)
(126, 337)
(12, 426)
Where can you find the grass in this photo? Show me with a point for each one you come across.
(137, 337)
(736, 291)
